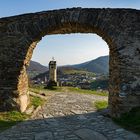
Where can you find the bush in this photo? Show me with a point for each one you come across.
(101, 105)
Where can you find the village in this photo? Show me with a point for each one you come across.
(76, 78)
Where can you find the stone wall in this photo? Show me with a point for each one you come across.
(120, 28)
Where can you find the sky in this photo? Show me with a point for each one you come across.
(66, 49)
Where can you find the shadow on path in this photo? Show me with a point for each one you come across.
(88, 126)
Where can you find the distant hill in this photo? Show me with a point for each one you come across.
(35, 68)
(99, 65)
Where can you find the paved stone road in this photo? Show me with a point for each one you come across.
(68, 116)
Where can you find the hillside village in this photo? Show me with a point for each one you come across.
(76, 77)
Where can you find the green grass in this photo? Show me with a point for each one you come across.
(68, 89)
(6, 124)
(83, 91)
(8, 119)
(36, 101)
(130, 121)
(101, 104)
(41, 89)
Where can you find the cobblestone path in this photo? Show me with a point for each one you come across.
(68, 116)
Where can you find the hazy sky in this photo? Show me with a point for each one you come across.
(67, 49)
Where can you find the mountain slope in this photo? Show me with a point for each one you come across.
(35, 68)
(99, 65)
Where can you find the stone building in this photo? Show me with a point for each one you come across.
(52, 74)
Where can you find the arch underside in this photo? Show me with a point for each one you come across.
(23, 34)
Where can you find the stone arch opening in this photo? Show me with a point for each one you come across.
(19, 35)
(114, 59)
(92, 47)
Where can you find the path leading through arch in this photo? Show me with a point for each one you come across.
(69, 116)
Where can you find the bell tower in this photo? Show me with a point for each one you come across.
(52, 73)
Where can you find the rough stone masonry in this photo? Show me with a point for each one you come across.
(120, 28)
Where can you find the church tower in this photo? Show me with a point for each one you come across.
(52, 73)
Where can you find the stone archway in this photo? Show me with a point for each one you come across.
(120, 28)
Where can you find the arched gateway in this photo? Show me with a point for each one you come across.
(120, 28)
